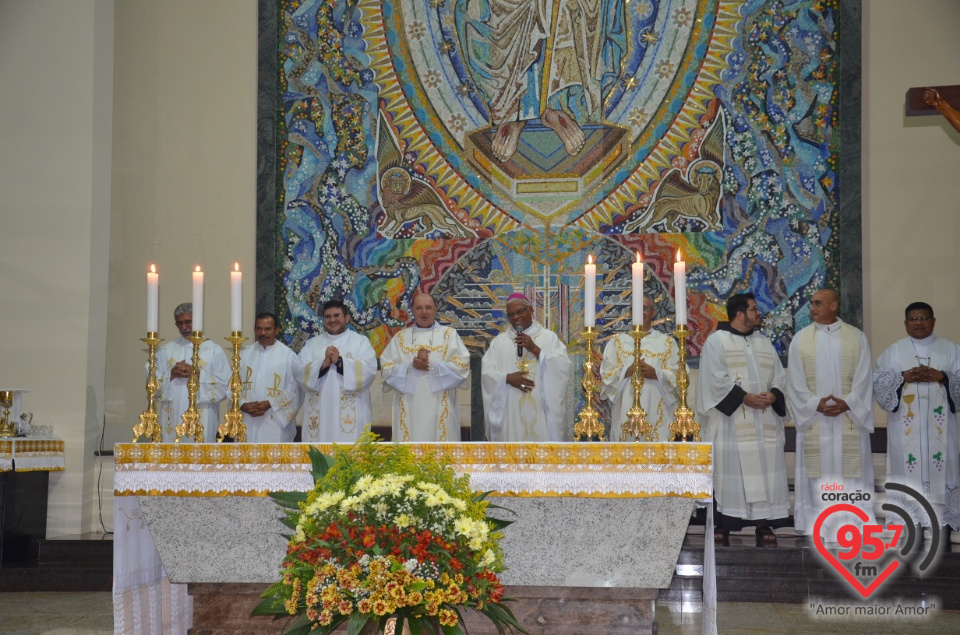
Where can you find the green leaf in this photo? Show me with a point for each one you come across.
(320, 463)
(301, 625)
(270, 606)
(290, 500)
(356, 624)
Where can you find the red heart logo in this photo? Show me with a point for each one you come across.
(829, 557)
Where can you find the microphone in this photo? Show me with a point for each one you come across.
(519, 348)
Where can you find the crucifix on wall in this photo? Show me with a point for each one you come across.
(944, 100)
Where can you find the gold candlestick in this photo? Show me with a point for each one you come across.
(233, 425)
(683, 425)
(636, 423)
(7, 428)
(589, 425)
(190, 421)
(148, 426)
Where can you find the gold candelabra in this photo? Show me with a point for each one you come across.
(683, 426)
(233, 425)
(636, 423)
(190, 421)
(148, 426)
(589, 425)
(7, 429)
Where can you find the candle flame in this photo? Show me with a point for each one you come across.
(639, 258)
(198, 268)
(589, 259)
(679, 258)
(236, 266)
(153, 269)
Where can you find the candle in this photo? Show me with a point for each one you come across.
(236, 299)
(636, 278)
(680, 289)
(198, 300)
(153, 299)
(589, 292)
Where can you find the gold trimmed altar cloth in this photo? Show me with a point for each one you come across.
(31, 455)
(595, 470)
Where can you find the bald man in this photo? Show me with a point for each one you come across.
(423, 366)
(830, 393)
(524, 379)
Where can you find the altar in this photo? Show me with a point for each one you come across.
(25, 466)
(598, 528)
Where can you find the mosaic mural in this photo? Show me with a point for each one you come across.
(471, 148)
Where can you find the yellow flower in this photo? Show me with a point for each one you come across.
(402, 521)
(448, 618)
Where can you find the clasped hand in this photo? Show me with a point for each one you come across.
(831, 406)
(255, 408)
(181, 369)
(331, 356)
(422, 360)
(759, 401)
(922, 374)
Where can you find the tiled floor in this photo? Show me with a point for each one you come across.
(92, 614)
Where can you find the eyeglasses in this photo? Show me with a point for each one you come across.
(915, 319)
(180, 323)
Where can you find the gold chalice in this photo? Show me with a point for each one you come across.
(908, 399)
(6, 426)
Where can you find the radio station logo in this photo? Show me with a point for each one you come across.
(868, 555)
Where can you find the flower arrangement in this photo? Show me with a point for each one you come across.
(383, 535)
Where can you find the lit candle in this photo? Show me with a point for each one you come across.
(680, 289)
(153, 298)
(589, 292)
(198, 299)
(636, 278)
(236, 298)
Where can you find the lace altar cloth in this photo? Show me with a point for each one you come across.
(30, 455)
(628, 470)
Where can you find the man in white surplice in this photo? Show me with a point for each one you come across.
(423, 366)
(338, 367)
(525, 405)
(174, 365)
(658, 398)
(830, 393)
(271, 394)
(917, 381)
(741, 402)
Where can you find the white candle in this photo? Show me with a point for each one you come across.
(153, 299)
(236, 298)
(589, 292)
(636, 278)
(198, 300)
(680, 289)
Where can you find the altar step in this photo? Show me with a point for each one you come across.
(792, 573)
(69, 563)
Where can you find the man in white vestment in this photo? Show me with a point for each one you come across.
(424, 365)
(917, 381)
(830, 394)
(174, 365)
(337, 368)
(740, 400)
(271, 394)
(658, 397)
(524, 379)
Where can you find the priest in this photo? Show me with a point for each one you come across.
(658, 365)
(174, 365)
(524, 379)
(423, 366)
(271, 394)
(830, 393)
(740, 400)
(337, 369)
(917, 381)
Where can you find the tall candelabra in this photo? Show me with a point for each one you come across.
(149, 426)
(683, 426)
(233, 425)
(589, 425)
(190, 421)
(636, 423)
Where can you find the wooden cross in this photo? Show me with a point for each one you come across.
(916, 107)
